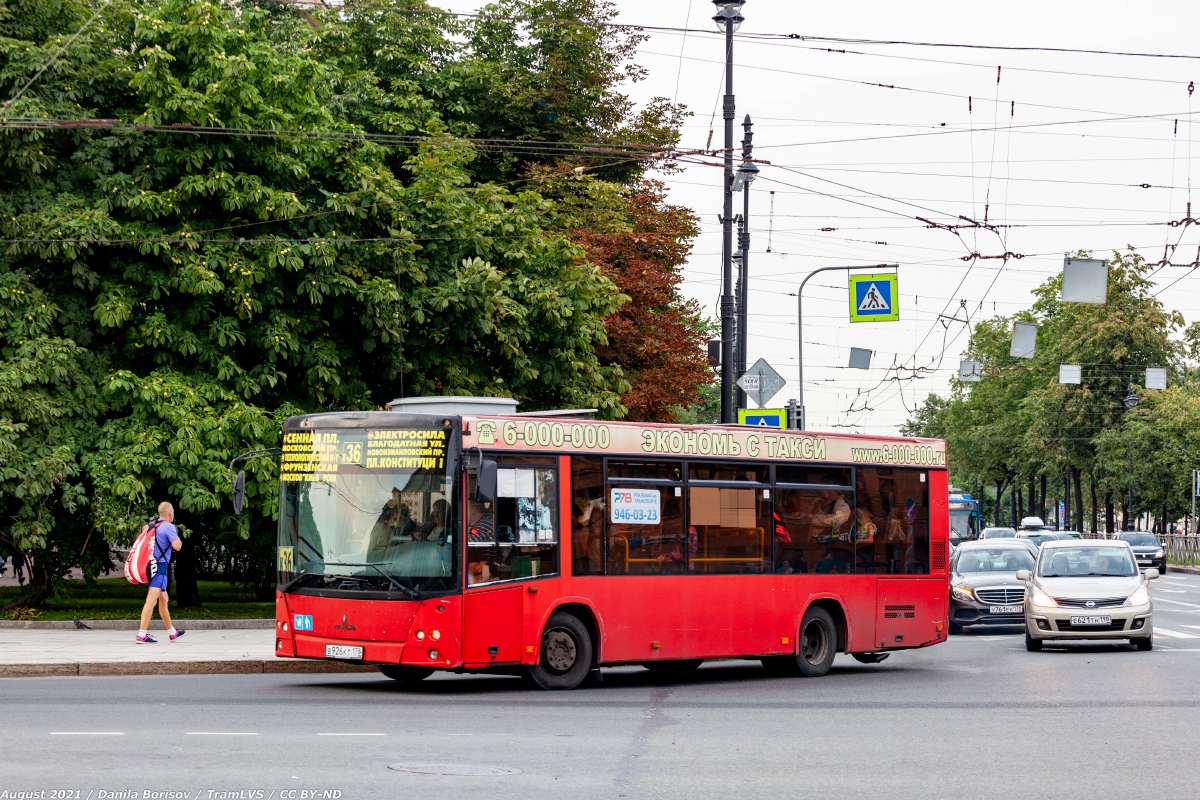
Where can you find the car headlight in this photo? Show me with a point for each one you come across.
(962, 592)
(1139, 598)
(1158, 553)
(1040, 598)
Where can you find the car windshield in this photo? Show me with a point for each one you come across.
(1074, 562)
(992, 559)
(999, 533)
(1140, 539)
(367, 510)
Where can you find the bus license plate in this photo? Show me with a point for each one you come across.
(343, 651)
(1085, 621)
(1017, 609)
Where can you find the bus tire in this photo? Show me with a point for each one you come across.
(405, 674)
(565, 655)
(681, 666)
(817, 643)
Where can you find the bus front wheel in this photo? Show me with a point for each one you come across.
(405, 674)
(565, 656)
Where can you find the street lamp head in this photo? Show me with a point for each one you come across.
(1131, 399)
(729, 12)
(737, 256)
(745, 175)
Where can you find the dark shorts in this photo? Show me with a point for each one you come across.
(162, 576)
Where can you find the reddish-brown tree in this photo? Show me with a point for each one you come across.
(658, 337)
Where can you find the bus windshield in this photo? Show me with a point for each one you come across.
(367, 510)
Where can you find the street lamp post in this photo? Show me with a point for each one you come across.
(1130, 401)
(746, 173)
(802, 423)
(728, 16)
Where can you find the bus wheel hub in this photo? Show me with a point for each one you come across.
(560, 653)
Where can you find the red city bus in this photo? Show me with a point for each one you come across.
(553, 544)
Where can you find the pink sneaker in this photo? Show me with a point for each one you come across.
(146, 640)
(176, 635)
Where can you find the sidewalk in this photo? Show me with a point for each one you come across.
(55, 652)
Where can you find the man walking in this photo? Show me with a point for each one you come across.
(166, 540)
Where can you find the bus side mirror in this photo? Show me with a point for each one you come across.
(239, 492)
(485, 481)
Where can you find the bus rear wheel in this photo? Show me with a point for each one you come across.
(405, 674)
(565, 656)
(818, 643)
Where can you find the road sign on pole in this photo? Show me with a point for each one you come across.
(763, 417)
(874, 298)
(761, 382)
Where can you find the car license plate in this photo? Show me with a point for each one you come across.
(343, 651)
(1084, 621)
(1017, 609)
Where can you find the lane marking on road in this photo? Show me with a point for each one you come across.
(1170, 591)
(220, 733)
(87, 733)
(1176, 634)
(1177, 602)
(351, 734)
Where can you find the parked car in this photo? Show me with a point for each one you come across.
(998, 533)
(1068, 535)
(1087, 589)
(984, 589)
(1148, 551)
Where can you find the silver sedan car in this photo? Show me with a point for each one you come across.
(1087, 589)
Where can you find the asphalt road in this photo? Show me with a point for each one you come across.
(976, 717)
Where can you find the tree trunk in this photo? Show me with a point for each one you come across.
(1074, 476)
(1095, 506)
(187, 591)
(999, 504)
(1066, 504)
(1110, 521)
(1042, 500)
(1015, 502)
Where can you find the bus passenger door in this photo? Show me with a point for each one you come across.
(492, 626)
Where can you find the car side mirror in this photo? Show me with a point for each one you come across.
(1151, 574)
(1023, 575)
(485, 481)
(239, 492)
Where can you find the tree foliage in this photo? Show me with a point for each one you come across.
(306, 230)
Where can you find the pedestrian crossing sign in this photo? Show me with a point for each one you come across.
(763, 417)
(874, 298)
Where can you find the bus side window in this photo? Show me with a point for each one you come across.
(587, 515)
(895, 501)
(814, 531)
(729, 529)
(516, 535)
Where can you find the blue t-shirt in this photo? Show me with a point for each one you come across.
(163, 537)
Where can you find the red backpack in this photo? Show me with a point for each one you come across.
(139, 566)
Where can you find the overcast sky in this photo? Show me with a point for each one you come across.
(866, 160)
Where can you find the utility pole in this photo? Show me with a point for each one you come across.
(743, 324)
(728, 16)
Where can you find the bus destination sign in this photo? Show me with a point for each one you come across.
(316, 456)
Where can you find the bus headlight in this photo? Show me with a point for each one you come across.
(436, 635)
(420, 635)
(433, 655)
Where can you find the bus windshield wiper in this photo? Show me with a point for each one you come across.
(412, 593)
(294, 582)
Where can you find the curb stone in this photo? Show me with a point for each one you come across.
(235, 667)
(1184, 569)
(132, 624)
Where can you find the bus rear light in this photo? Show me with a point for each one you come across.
(655, 645)
(279, 644)
(420, 635)
(285, 627)
(786, 640)
(433, 655)
(436, 635)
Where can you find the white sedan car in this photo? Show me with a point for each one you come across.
(1087, 589)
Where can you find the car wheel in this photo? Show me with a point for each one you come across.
(818, 643)
(1031, 644)
(565, 656)
(677, 667)
(955, 629)
(405, 674)
(1146, 643)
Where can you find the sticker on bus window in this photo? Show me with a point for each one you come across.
(635, 507)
